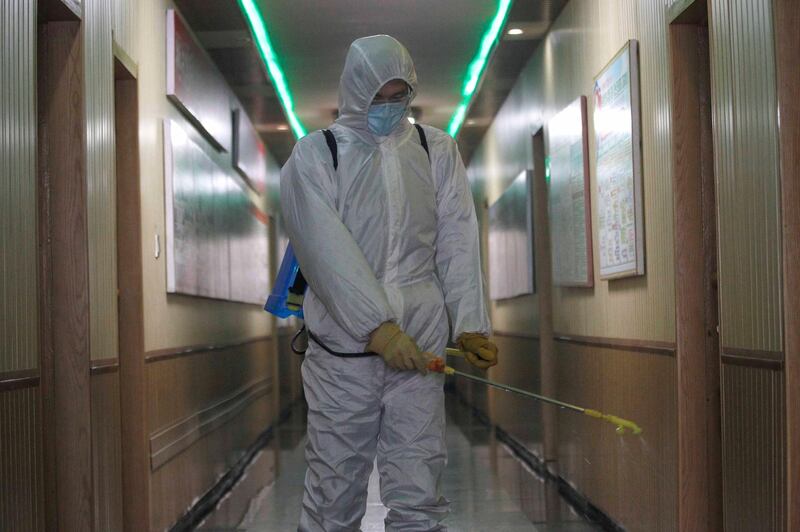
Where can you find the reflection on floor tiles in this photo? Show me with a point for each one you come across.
(488, 488)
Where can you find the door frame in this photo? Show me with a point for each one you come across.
(696, 254)
(786, 20)
(130, 281)
(63, 270)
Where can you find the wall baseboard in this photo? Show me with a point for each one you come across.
(577, 500)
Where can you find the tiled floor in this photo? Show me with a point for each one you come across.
(481, 499)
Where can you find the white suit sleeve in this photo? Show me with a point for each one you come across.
(458, 257)
(330, 259)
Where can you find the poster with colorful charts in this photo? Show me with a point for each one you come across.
(568, 200)
(618, 149)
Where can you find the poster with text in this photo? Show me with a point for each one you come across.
(569, 197)
(617, 130)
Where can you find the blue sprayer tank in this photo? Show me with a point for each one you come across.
(289, 289)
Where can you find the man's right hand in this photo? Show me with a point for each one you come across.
(397, 349)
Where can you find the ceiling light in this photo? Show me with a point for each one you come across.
(259, 30)
(412, 120)
(515, 31)
(282, 127)
(478, 65)
(470, 122)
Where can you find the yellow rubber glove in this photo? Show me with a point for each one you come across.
(478, 349)
(398, 349)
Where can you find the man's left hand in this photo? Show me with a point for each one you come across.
(478, 349)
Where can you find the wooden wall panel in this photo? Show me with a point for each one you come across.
(582, 40)
(180, 389)
(633, 479)
(100, 175)
(520, 367)
(754, 449)
(106, 452)
(18, 206)
(746, 162)
(21, 496)
(177, 484)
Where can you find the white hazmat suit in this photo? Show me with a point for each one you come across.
(389, 236)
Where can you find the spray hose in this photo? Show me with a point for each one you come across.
(438, 366)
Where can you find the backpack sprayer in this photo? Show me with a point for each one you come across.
(289, 290)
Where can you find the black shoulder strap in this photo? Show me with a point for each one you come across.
(423, 139)
(331, 140)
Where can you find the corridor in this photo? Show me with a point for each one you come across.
(567, 230)
(489, 489)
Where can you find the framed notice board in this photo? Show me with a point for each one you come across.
(195, 85)
(217, 238)
(511, 262)
(568, 200)
(249, 153)
(618, 149)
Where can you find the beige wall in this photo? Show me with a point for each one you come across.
(172, 320)
(583, 39)
(632, 480)
(182, 388)
(642, 385)
(125, 27)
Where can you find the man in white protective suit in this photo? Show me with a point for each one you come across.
(383, 224)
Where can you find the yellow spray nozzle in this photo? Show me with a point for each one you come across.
(621, 423)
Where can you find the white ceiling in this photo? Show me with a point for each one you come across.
(311, 38)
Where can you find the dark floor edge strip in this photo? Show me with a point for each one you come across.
(209, 502)
(577, 500)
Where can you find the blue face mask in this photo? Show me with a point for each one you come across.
(382, 118)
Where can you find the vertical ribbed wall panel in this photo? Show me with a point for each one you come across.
(106, 452)
(582, 41)
(21, 497)
(101, 166)
(746, 158)
(18, 214)
(754, 452)
(125, 27)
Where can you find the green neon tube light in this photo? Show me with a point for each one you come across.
(264, 45)
(478, 65)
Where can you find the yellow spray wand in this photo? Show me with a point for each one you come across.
(621, 424)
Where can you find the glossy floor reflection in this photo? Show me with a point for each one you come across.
(488, 488)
